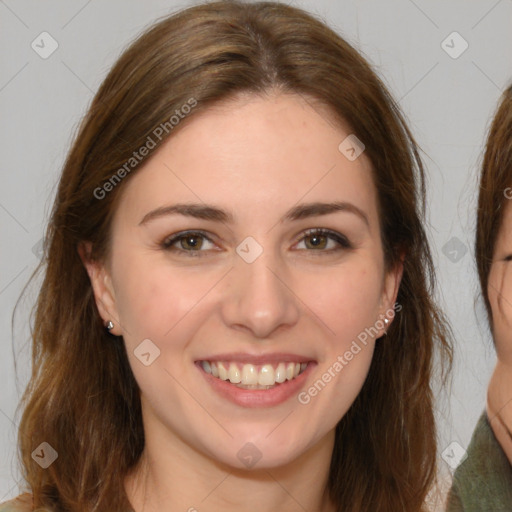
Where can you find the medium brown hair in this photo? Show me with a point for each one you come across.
(83, 399)
(494, 191)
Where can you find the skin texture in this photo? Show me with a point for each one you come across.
(499, 395)
(255, 157)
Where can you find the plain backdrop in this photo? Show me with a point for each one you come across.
(445, 62)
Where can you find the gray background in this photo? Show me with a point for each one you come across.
(447, 101)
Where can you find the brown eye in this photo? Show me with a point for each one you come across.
(189, 242)
(319, 239)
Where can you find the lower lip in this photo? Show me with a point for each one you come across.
(258, 397)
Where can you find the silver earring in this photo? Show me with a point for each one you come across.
(110, 325)
(386, 321)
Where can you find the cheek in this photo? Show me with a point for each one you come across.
(349, 306)
(349, 299)
(151, 298)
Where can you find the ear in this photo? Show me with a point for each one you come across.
(390, 288)
(103, 289)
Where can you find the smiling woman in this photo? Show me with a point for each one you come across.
(269, 247)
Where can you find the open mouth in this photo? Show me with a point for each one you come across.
(252, 376)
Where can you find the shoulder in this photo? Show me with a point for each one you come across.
(22, 503)
(484, 478)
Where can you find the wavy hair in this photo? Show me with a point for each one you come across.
(82, 397)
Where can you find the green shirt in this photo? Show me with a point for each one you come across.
(483, 482)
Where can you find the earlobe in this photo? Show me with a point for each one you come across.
(101, 283)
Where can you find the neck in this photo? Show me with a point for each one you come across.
(499, 406)
(178, 477)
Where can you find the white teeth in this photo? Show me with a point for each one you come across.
(234, 374)
(223, 373)
(290, 370)
(281, 373)
(250, 376)
(266, 376)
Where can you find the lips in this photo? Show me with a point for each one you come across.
(256, 380)
(267, 369)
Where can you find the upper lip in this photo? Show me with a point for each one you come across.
(259, 358)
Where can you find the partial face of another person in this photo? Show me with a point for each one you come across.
(500, 289)
(266, 290)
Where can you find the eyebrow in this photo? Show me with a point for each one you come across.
(210, 212)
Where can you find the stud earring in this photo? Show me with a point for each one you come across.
(110, 325)
(386, 321)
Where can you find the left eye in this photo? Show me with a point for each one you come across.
(317, 238)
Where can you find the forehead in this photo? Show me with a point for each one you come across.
(268, 152)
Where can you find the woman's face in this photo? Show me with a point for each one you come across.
(252, 293)
(499, 289)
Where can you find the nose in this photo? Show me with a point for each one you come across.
(260, 297)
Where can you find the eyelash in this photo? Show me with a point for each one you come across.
(340, 239)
